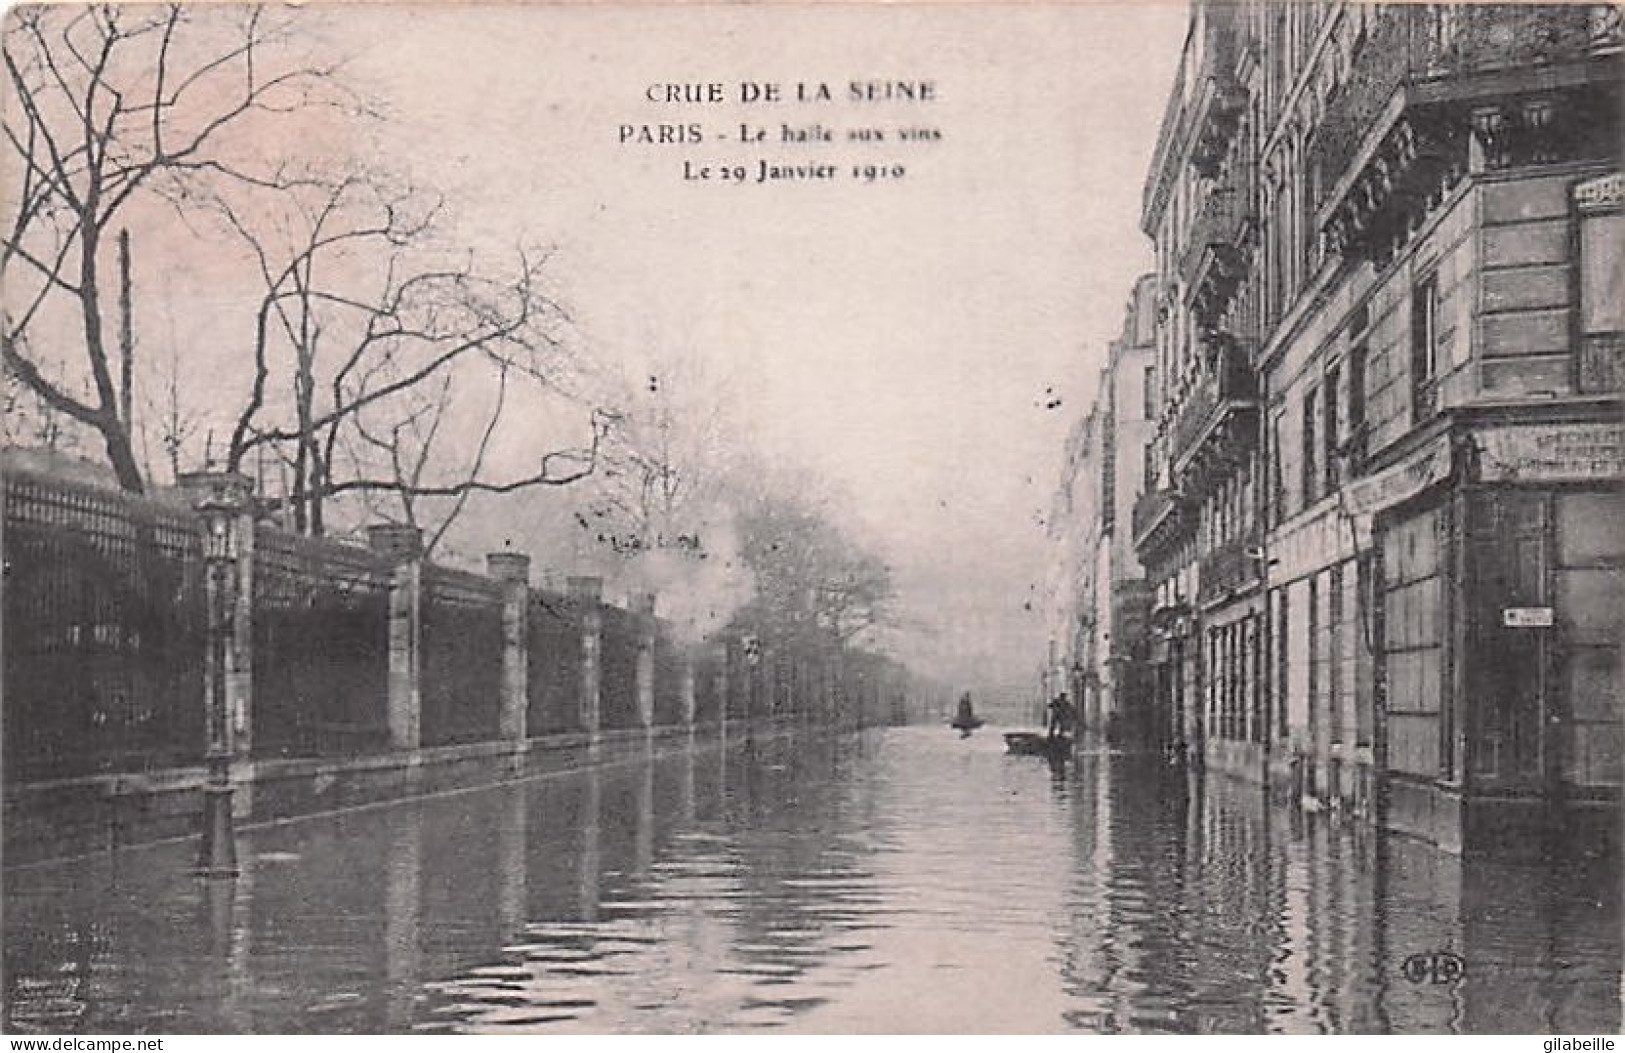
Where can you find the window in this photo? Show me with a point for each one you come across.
(1312, 659)
(1255, 679)
(1331, 436)
(1150, 393)
(1310, 475)
(1308, 246)
(1365, 716)
(1356, 368)
(1282, 664)
(1602, 286)
(1277, 483)
(1424, 345)
(1334, 654)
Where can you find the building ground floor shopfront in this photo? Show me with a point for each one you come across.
(1502, 602)
(1436, 647)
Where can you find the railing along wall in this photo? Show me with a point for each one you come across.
(103, 605)
(336, 649)
(461, 657)
(672, 675)
(321, 647)
(553, 683)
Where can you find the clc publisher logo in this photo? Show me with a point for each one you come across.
(1434, 967)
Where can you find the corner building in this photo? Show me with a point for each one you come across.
(1395, 239)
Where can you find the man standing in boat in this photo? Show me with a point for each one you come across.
(1061, 715)
(966, 719)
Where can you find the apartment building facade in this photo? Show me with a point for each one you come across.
(1384, 538)
(1100, 600)
(1074, 535)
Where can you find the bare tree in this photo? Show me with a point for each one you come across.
(813, 582)
(176, 422)
(665, 461)
(364, 330)
(107, 102)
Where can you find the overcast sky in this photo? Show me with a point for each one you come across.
(905, 337)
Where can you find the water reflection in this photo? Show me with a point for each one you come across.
(898, 881)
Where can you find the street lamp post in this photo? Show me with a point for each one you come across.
(221, 498)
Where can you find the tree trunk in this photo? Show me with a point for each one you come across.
(126, 336)
(114, 434)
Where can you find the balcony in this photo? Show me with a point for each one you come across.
(1158, 518)
(1211, 421)
(1228, 570)
(1215, 256)
(1520, 79)
(1218, 98)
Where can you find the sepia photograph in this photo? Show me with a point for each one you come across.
(812, 518)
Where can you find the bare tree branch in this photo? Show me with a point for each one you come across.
(105, 102)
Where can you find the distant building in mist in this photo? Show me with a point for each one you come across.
(1100, 599)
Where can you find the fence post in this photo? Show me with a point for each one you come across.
(224, 500)
(587, 594)
(512, 569)
(403, 547)
(643, 605)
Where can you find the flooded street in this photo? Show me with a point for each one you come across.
(897, 881)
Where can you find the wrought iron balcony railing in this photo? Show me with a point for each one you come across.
(1417, 43)
(1217, 99)
(1215, 256)
(1229, 568)
(1227, 384)
(1154, 511)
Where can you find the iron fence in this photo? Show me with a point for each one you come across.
(668, 680)
(104, 615)
(553, 690)
(461, 675)
(618, 683)
(321, 647)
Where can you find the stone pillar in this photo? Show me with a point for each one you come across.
(587, 594)
(403, 547)
(685, 687)
(643, 605)
(512, 569)
(224, 500)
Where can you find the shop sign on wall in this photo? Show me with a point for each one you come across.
(1400, 481)
(1553, 453)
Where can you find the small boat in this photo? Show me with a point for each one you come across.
(1037, 744)
(966, 720)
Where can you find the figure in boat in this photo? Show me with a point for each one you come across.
(966, 719)
(1056, 741)
(1062, 714)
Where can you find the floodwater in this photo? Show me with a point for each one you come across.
(896, 881)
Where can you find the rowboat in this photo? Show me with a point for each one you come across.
(1037, 744)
